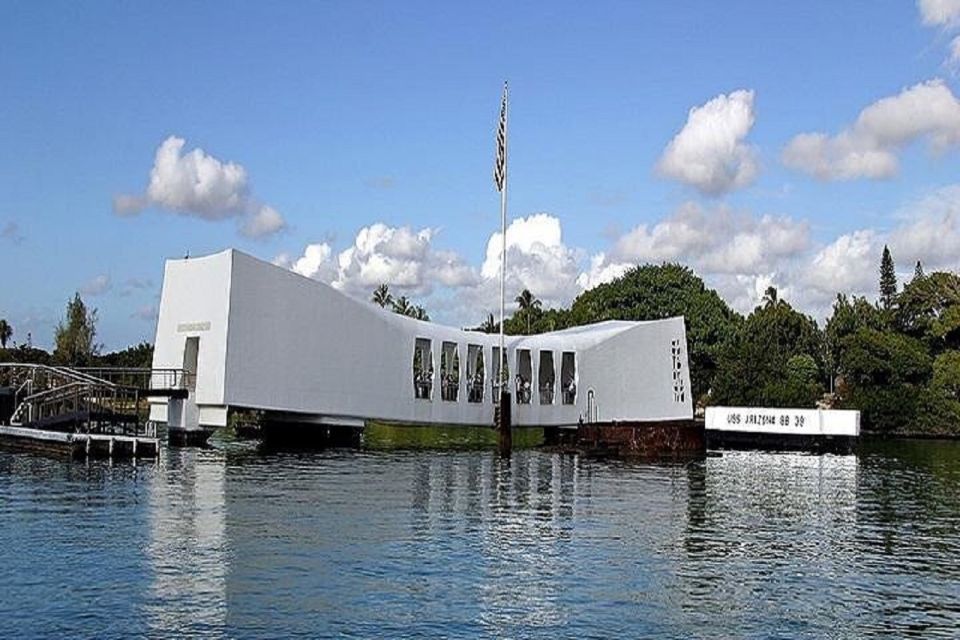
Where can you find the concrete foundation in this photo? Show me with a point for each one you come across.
(656, 440)
(178, 437)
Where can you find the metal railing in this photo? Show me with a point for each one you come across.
(143, 378)
(89, 399)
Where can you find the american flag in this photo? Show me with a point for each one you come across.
(500, 169)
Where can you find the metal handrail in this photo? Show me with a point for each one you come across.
(45, 391)
(168, 378)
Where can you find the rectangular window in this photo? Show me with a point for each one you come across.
(524, 379)
(475, 373)
(422, 369)
(546, 377)
(449, 372)
(568, 377)
(498, 376)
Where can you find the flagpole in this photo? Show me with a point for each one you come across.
(503, 242)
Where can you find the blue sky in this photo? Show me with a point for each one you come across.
(367, 130)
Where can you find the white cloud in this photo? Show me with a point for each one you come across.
(264, 222)
(849, 264)
(410, 263)
(394, 255)
(929, 231)
(199, 185)
(537, 259)
(97, 286)
(709, 153)
(869, 147)
(939, 12)
(716, 239)
(601, 271)
(147, 313)
(397, 256)
(735, 252)
(315, 263)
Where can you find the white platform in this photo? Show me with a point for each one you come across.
(806, 422)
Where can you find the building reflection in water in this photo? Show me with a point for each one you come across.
(514, 520)
(186, 545)
(778, 521)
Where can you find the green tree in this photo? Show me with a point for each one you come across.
(849, 316)
(925, 301)
(653, 292)
(419, 313)
(888, 279)
(946, 374)
(529, 306)
(771, 297)
(886, 374)
(801, 386)
(139, 356)
(382, 295)
(772, 360)
(403, 306)
(489, 325)
(75, 337)
(6, 332)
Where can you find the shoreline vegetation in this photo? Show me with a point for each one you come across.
(896, 360)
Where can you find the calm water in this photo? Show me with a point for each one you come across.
(232, 543)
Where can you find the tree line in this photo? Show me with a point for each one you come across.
(896, 360)
(75, 343)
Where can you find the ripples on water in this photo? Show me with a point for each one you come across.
(227, 542)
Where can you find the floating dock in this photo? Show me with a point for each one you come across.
(82, 413)
(78, 445)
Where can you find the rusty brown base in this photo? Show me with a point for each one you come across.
(655, 440)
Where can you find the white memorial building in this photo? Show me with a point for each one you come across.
(257, 336)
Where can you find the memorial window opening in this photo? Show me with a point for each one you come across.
(546, 377)
(524, 379)
(475, 373)
(568, 377)
(422, 369)
(449, 372)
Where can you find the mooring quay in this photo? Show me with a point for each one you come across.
(83, 412)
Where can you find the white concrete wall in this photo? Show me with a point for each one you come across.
(293, 344)
(786, 421)
(195, 302)
(632, 374)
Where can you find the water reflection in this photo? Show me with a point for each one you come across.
(186, 545)
(783, 525)
(230, 543)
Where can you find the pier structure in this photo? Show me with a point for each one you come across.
(254, 336)
(82, 412)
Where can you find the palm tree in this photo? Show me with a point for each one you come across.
(402, 306)
(419, 313)
(6, 331)
(528, 305)
(489, 325)
(382, 295)
(770, 297)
